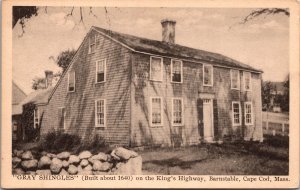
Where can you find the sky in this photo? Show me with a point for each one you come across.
(262, 43)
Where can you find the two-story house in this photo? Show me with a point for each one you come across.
(136, 92)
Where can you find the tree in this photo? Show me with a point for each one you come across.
(285, 104)
(264, 12)
(64, 58)
(267, 97)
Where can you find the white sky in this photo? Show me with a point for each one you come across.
(262, 43)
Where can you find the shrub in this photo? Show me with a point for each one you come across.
(94, 144)
(277, 141)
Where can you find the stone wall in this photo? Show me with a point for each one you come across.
(119, 162)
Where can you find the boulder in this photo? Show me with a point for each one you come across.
(43, 172)
(101, 166)
(85, 155)
(123, 153)
(88, 168)
(65, 164)
(45, 161)
(27, 155)
(72, 170)
(16, 160)
(73, 159)
(63, 155)
(18, 171)
(56, 165)
(132, 167)
(44, 153)
(18, 153)
(63, 172)
(85, 172)
(30, 173)
(102, 156)
(84, 162)
(99, 173)
(29, 164)
(79, 168)
(50, 155)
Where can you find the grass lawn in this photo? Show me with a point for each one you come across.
(213, 159)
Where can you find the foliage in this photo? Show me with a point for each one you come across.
(22, 13)
(27, 122)
(277, 141)
(58, 142)
(94, 144)
(265, 11)
(40, 82)
(64, 58)
(266, 89)
(285, 104)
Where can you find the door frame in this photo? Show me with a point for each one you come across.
(209, 101)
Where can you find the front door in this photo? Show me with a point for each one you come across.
(208, 120)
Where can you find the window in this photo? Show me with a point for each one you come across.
(177, 111)
(235, 79)
(100, 71)
(176, 71)
(71, 81)
(248, 113)
(207, 75)
(35, 118)
(92, 43)
(100, 113)
(247, 81)
(156, 111)
(236, 113)
(156, 68)
(62, 118)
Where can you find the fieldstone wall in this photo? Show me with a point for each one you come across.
(119, 162)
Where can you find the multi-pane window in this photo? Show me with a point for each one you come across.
(92, 43)
(100, 113)
(207, 75)
(156, 68)
(176, 68)
(247, 80)
(100, 70)
(248, 113)
(235, 79)
(156, 111)
(35, 118)
(236, 113)
(62, 118)
(177, 111)
(71, 81)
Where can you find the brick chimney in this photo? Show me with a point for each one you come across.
(168, 30)
(49, 78)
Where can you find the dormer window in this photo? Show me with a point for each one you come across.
(207, 75)
(156, 68)
(176, 71)
(235, 79)
(101, 71)
(92, 43)
(71, 81)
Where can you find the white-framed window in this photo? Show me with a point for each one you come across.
(236, 113)
(156, 68)
(156, 111)
(36, 118)
(207, 75)
(247, 81)
(101, 71)
(235, 79)
(248, 113)
(176, 71)
(177, 111)
(100, 113)
(62, 117)
(92, 43)
(71, 81)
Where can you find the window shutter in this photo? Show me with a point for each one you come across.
(200, 117)
(215, 110)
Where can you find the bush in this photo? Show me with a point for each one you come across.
(277, 141)
(94, 144)
(57, 142)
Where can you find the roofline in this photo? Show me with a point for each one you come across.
(19, 88)
(124, 45)
(250, 70)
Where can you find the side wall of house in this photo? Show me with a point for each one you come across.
(143, 88)
(80, 105)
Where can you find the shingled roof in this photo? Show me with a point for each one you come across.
(173, 50)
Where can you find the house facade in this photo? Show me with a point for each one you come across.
(137, 92)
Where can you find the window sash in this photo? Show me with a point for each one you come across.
(207, 75)
(176, 68)
(156, 111)
(71, 81)
(100, 113)
(156, 68)
(92, 43)
(247, 81)
(236, 113)
(235, 79)
(101, 71)
(177, 111)
(248, 113)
